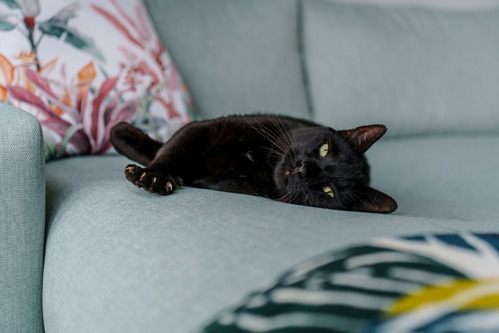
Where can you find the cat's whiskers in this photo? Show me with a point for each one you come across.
(277, 153)
(284, 130)
(307, 196)
(288, 197)
(277, 141)
(352, 195)
(275, 136)
(266, 133)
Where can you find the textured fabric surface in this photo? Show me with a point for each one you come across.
(235, 56)
(416, 70)
(80, 79)
(22, 221)
(442, 177)
(119, 259)
(427, 283)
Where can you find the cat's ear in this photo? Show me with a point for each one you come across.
(361, 138)
(374, 201)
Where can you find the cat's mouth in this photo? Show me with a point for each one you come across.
(286, 172)
(300, 170)
(288, 175)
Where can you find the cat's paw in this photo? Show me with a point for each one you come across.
(152, 180)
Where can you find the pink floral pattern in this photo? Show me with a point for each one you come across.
(78, 108)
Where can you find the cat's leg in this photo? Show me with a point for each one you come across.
(130, 141)
(136, 145)
(173, 161)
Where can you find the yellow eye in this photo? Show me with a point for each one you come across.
(323, 150)
(328, 191)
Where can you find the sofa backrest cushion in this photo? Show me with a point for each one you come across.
(235, 56)
(417, 70)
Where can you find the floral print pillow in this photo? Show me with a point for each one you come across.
(81, 67)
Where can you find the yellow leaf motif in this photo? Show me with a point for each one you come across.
(66, 99)
(27, 83)
(25, 56)
(57, 110)
(460, 295)
(49, 67)
(87, 74)
(3, 94)
(6, 71)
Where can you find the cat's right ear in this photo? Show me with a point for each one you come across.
(361, 138)
(373, 201)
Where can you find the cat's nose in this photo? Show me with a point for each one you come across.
(301, 169)
(306, 169)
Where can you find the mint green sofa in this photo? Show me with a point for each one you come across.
(83, 250)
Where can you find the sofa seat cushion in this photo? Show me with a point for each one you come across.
(119, 259)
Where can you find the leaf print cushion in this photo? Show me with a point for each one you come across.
(81, 67)
(434, 283)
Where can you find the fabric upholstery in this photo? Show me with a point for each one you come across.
(22, 217)
(122, 259)
(443, 177)
(416, 70)
(235, 56)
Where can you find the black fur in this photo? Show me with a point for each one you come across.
(276, 157)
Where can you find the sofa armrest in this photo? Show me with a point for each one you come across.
(22, 220)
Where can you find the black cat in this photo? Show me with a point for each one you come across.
(276, 157)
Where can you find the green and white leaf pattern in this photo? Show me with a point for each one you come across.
(5, 25)
(434, 283)
(58, 27)
(10, 3)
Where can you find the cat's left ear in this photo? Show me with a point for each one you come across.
(361, 138)
(374, 201)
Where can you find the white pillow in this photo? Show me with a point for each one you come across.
(81, 67)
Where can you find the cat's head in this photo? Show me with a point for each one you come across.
(325, 168)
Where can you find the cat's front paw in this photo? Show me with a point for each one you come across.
(152, 180)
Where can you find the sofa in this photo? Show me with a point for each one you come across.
(83, 250)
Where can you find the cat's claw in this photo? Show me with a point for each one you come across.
(151, 180)
(130, 169)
